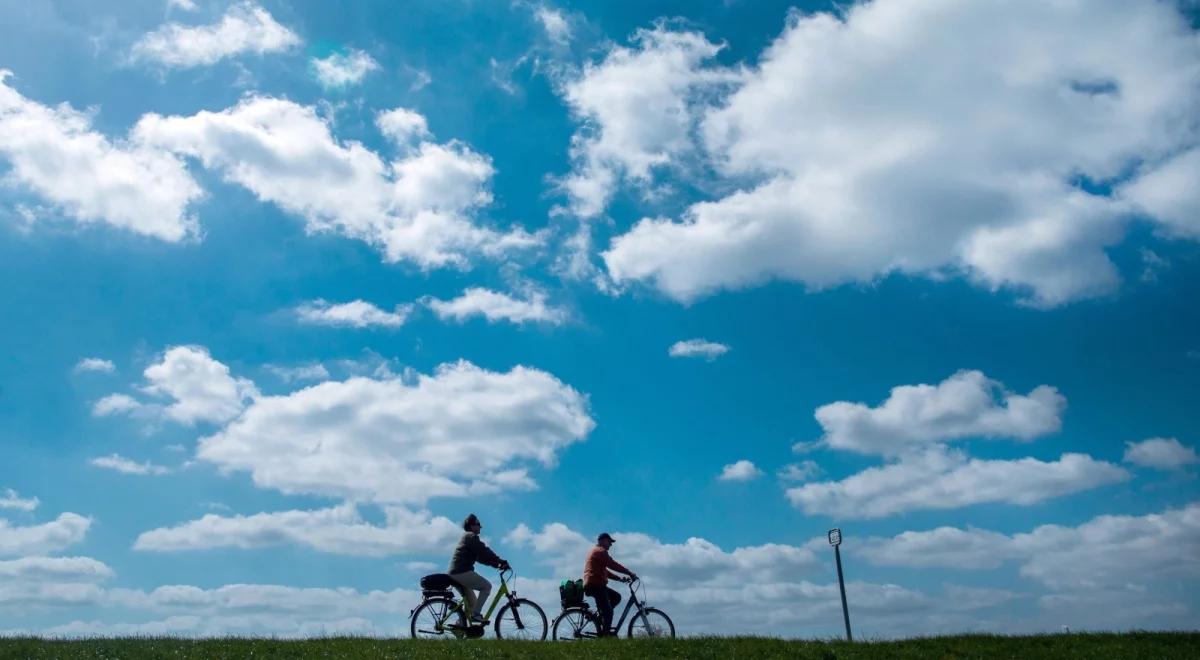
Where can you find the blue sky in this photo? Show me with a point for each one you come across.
(288, 291)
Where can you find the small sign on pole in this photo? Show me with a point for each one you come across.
(835, 539)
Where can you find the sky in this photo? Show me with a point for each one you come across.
(289, 288)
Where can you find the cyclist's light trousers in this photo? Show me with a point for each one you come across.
(472, 582)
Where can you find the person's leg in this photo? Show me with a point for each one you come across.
(474, 581)
(602, 596)
(614, 599)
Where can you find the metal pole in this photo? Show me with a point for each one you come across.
(842, 585)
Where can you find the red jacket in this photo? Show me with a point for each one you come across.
(596, 568)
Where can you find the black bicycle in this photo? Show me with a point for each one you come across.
(441, 616)
(579, 622)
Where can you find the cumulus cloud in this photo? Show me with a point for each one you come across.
(742, 470)
(38, 582)
(965, 405)
(402, 126)
(354, 314)
(495, 306)
(96, 364)
(124, 465)
(245, 28)
(462, 430)
(54, 152)
(945, 479)
(709, 350)
(202, 388)
(802, 471)
(918, 138)
(343, 69)
(62, 532)
(315, 371)
(416, 208)
(116, 404)
(339, 530)
(12, 500)
(1160, 454)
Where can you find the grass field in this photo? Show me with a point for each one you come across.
(1125, 645)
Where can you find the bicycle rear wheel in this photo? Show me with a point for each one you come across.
(521, 619)
(575, 624)
(651, 622)
(433, 618)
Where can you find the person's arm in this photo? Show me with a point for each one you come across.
(485, 555)
(615, 565)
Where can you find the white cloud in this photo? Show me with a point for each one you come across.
(635, 112)
(343, 69)
(185, 5)
(402, 126)
(202, 387)
(245, 28)
(116, 404)
(54, 152)
(62, 532)
(919, 138)
(416, 208)
(420, 566)
(126, 466)
(339, 530)
(555, 23)
(1105, 552)
(463, 430)
(354, 314)
(967, 404)
(30, 583)
(802, 471)
(742, 470)
(315, 371)
(709, 350)
(1161, 454)
(944, 479)
(496, 306)
(96, 364)
(12, 500)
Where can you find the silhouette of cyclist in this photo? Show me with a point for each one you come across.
(471, 549)
(597, 570)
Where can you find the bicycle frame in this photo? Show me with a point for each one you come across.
(501, 593)
(629, 604)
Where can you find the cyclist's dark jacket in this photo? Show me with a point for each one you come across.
(470, 550)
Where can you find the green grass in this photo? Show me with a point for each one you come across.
(1159, 646)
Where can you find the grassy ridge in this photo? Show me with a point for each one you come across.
(1158, 646)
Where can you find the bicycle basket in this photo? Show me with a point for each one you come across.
(436, 582)
(570, 593)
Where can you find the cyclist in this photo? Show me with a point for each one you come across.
(597, 570)
(471, 549)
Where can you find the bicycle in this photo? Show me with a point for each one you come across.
(579, 622)
(520, 618)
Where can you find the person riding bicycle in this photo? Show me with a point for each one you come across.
(471, 549)
(597, 570)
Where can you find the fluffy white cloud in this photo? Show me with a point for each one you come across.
(126, 466)
(54, 152)
(343, 69)
(1160, 453)
(802, 471)
(402, 126)
(116, 404)
(315, 371)
(943, 479)
(203, 389)
(463, 430)
(742, 470)
(11, 499)
(1105, 552)
(245, 28)
(926, 138)
(38, 582)
(967, 404)
(496, 306)
(339, 530)
(636, 113)
(709, 350)
(66, 530)
(354, 314)
(415, 208)
(96, 364)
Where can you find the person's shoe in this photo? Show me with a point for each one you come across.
(478, 620)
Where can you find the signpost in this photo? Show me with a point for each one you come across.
(835, 539)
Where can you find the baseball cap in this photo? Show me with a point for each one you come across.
(605, 535)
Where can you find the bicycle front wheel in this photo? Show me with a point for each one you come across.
(433, 618)
(575, 624)
(651, 622)
(521, 619)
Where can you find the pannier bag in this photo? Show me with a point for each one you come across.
(570, 592)
(435, 582)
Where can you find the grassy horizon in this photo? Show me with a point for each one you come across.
(1157, 645)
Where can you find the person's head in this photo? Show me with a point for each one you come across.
(605, 540)
(471, 524)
